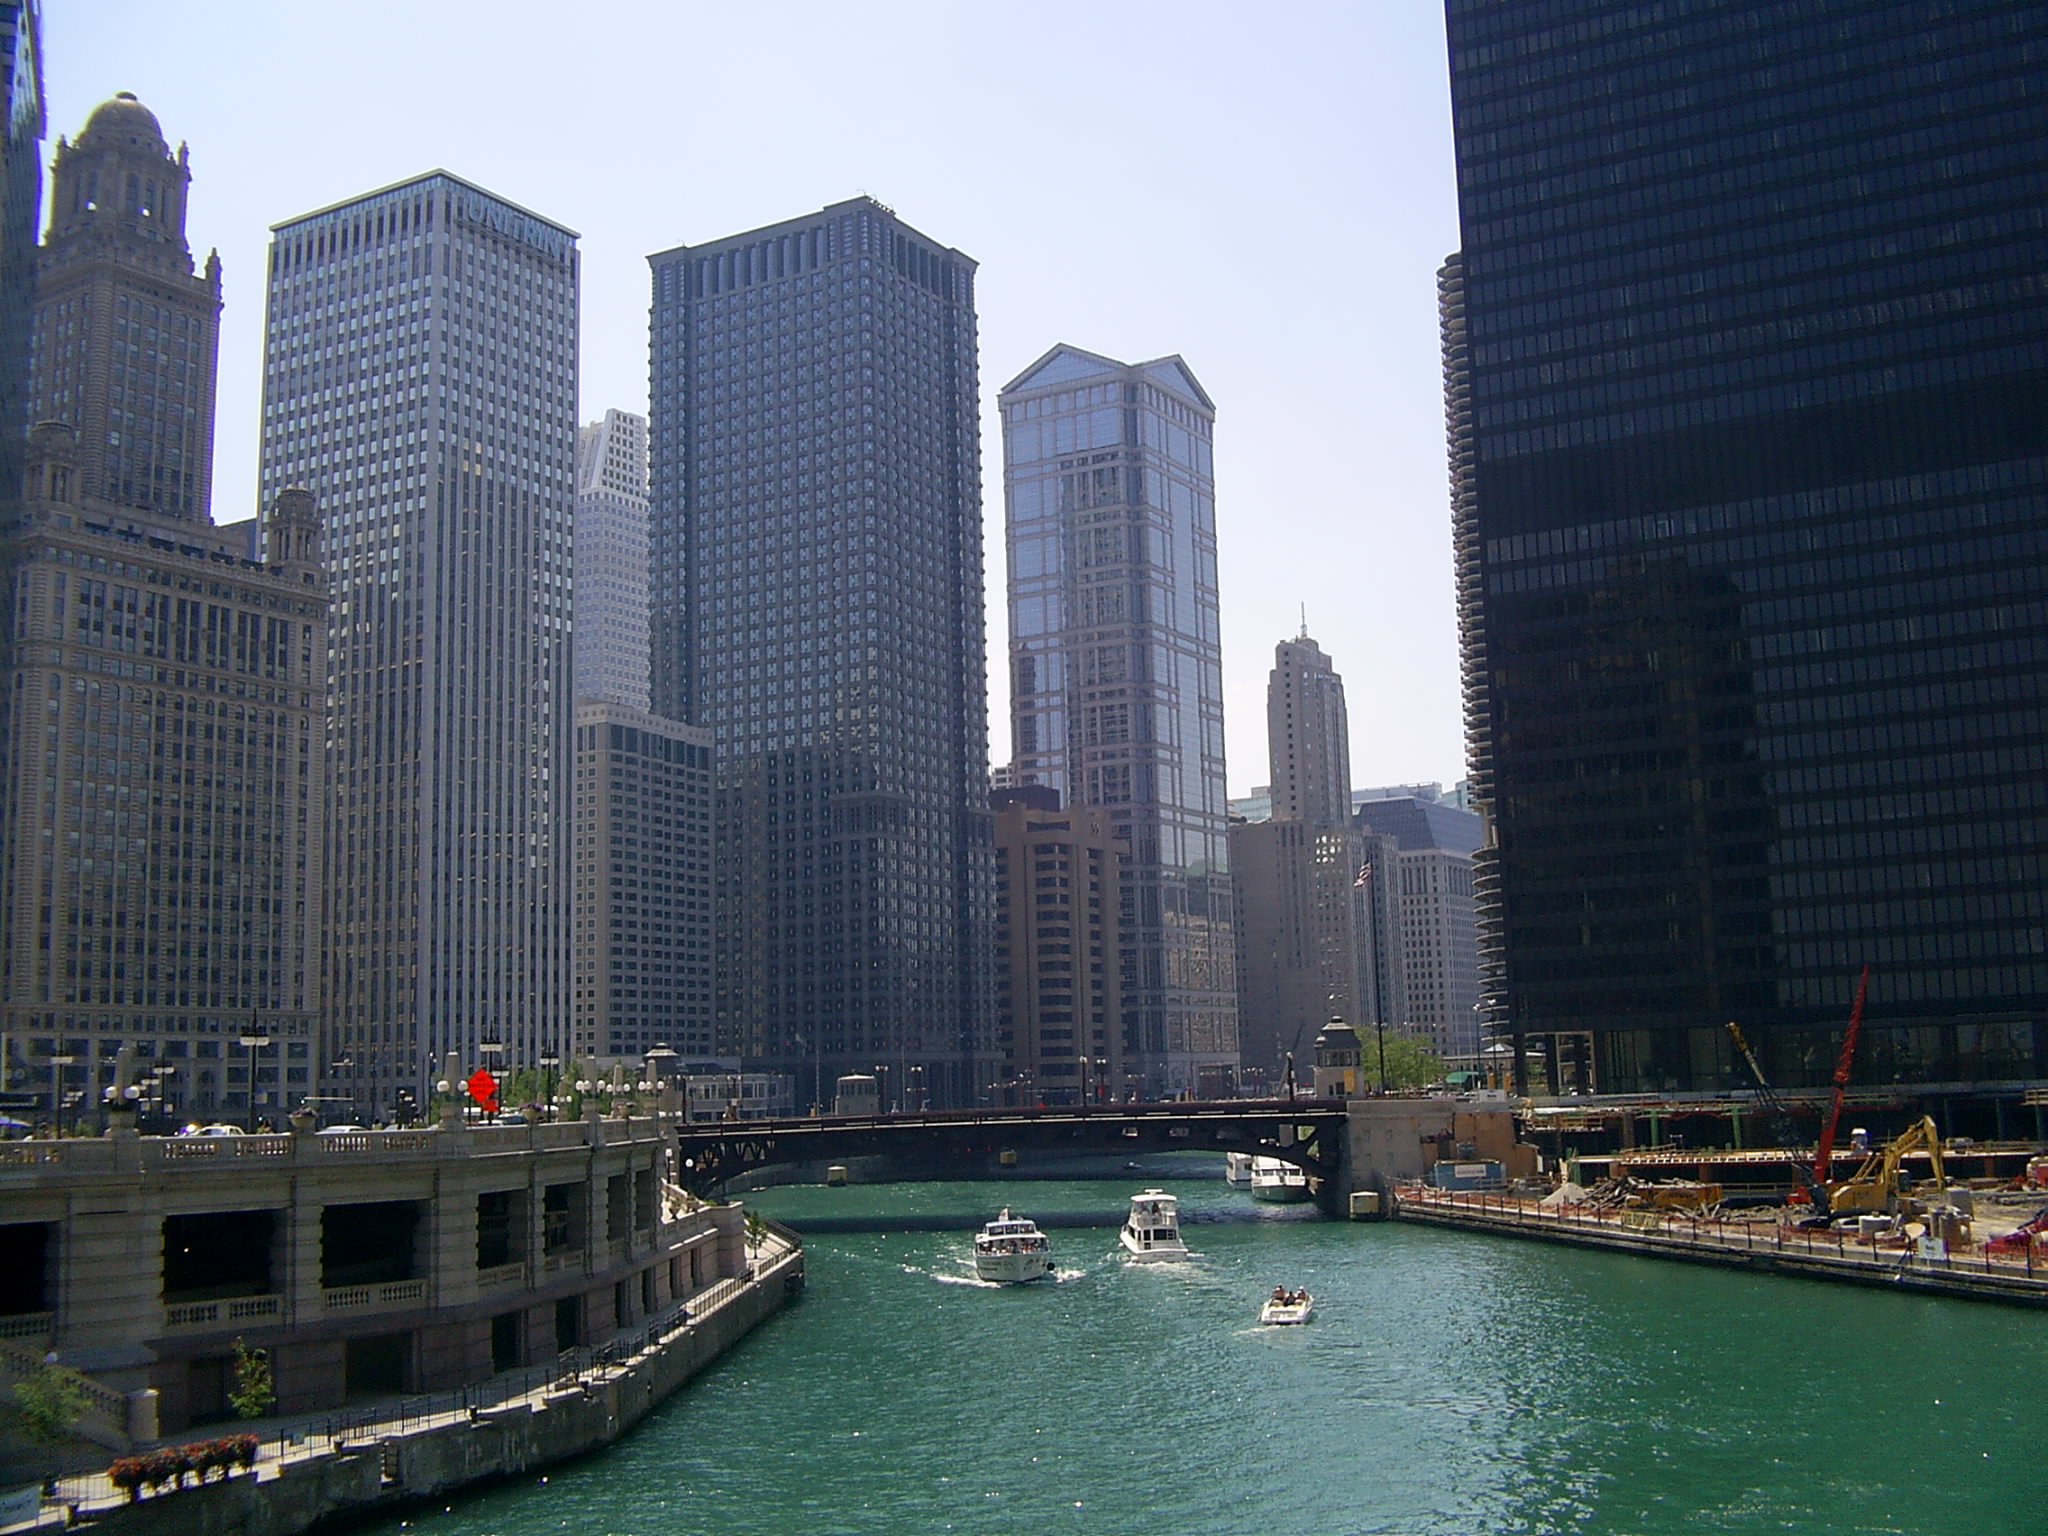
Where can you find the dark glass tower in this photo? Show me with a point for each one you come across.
(1747, 350)
(21, 196)
(817, 603)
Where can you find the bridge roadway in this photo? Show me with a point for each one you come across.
(1310, 1133)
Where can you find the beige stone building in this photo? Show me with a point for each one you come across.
(1059, 982)
(367, 1264)
(162, 769)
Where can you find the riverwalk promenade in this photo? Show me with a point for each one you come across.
(309, 1470)
(1731, 1242)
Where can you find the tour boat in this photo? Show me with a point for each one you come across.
(1285, 1306)
(1278, 1181)
(1237, 1168)
(1011, 1250)
(1152, 1230)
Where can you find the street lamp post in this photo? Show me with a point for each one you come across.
(57, 1066)
(254, 1042)
(548, 1061)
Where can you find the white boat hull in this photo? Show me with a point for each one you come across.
(1281, 1313)
(1012, 1268)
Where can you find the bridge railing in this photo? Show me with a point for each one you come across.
(1170, 1109)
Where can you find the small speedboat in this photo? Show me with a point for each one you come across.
(1285, 1306)
(1011, 1250)
(1151, 1232)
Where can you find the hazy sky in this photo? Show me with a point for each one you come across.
(1265, 190)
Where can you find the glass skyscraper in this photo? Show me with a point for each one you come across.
(1116, 676)
(1747, 350)
(817, 605)
(420, 378)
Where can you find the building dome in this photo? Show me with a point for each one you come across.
(123, 118)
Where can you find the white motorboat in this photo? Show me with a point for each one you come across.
(1237, 1168)
(1151, 1232)
(1285, 1306)
(1278, 1181)
(1011, 1250)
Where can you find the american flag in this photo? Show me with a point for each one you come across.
(1364, 874)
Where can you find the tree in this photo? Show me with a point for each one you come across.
(1410, 1061)
(757, 1230)
(50, 1404)
(251, 1396)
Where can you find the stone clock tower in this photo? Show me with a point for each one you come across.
(127, 334)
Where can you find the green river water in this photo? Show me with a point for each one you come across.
(1448, 1384)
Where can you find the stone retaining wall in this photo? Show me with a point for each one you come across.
(393, 1469)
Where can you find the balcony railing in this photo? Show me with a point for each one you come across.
(226, 1312)
(375, 1298)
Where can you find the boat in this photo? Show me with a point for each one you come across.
(1278, 1182)
(1237, 1168)
(1151, 1232)
(1011, 1250)
(1285, 1306)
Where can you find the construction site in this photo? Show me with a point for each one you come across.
(1785, 1181)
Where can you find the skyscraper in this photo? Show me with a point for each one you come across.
(1059, 1008)
(1308, 736)
(611, 655)
(420, 376)
(1424, 955)
(21, 200)
(162, 776)
(1116, 675)
(1746, 349)
(127, 334)
(643, 884)
(816, 527)
(1300, 876)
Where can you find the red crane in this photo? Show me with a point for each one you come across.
(1824, 1154)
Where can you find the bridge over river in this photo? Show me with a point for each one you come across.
(1310, 1133)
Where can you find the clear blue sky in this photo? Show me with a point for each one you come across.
(1265, 190)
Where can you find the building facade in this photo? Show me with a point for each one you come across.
(1744, 346)
(1418, 863)
(1059, 976)
(643, 884)
(1116, 675)
(420, 377)
(1297, 875)
(127, 333)
(369, 1265)
(163, 773)
(817, 602)
(611, 628)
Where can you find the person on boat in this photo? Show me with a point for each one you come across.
(1280, 1294)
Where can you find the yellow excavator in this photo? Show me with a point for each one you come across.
(1874, 1188)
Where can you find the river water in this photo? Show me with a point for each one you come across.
(1448, 1384)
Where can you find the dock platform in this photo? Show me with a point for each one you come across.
(1767, 1246)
